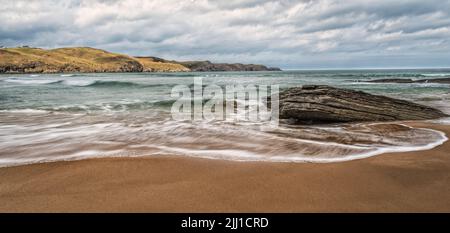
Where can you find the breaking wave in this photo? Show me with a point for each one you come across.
(83, 83)
(380, 75)
(32, 81)
(437, 75)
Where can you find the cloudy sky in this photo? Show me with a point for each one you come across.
(288, 34)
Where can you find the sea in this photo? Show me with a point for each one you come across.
(63, 117)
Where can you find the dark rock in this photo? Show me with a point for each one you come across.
(155, 59)
(392, 80)
(21, 68)
(434, 80)
(325, 104)
(131, 66)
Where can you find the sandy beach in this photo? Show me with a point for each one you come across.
(397, 182)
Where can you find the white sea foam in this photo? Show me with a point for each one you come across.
(26, 110)
(62, 141)
(31, 81)
(88, 154)
(72, 82)
(246, 156)
(443, 121)
(79, 82)
(425, 84)
(437, 75)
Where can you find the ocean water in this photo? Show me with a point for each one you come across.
(54, 117)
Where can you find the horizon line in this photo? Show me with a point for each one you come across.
(368, 68)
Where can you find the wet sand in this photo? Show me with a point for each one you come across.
(395, 182)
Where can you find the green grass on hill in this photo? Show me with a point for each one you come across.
(77, 59)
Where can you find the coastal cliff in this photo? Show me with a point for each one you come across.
(91, 60)
(209, 66)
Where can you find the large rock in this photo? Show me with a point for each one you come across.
(325, 104)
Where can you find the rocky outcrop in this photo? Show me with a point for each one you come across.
(21, 68)
(201, 66)
(325, 104)
(154, 64)
(121, 64)
(399, 80)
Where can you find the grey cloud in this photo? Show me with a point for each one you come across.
(286, 33)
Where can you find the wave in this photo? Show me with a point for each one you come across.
(304, 150)
(175, 74)
(114, 84)
(362, 75)
(443, 121)
(164, 103)
(392, 75)
(412, 84)
(100, 83)
(76, 75)
(78, 83)
(111, 107)
(32, 81)
(25, 110)
(85, 83)
(437, 75)
(207, 140)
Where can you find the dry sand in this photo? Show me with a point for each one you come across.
(397, 182)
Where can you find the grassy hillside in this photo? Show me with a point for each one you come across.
(79, 59)
(91, 60)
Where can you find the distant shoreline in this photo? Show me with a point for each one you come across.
(281, 70)
(144, 72)
(26, 60)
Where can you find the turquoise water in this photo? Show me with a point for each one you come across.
(51, 117)
(117, 92)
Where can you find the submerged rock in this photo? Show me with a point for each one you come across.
(325, 104)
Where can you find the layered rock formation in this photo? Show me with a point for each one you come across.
(325, 104)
